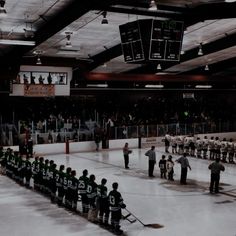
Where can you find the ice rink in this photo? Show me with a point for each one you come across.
(183, 210)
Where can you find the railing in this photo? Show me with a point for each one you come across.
(124, 132)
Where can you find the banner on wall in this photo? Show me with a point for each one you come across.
(39, 90)
(151, 141)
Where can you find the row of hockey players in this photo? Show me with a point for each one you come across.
(195, 146)
(64, 188)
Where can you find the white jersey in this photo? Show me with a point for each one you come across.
(211, 144)
(217, 144)
(187, 141)
(224, 146)
(180, 140)
(230, 147)
(173, 141)
(205, 143)
(199, 144)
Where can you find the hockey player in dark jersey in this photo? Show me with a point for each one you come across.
(73, 191)
(35, 172)
(66, 178)
(59, 180)
(82, 187)
(116, 203)
(40, 167)
(27, 171)
(45, 168)
(103, 203)
(52, 185)
(92, 194)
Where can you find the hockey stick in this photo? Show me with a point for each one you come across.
(156, 226)
(127, 218)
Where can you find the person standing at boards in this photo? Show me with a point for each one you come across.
(126, 152)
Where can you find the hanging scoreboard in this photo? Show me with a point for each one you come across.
(151, 40)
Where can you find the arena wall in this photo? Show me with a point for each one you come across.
(58, 148)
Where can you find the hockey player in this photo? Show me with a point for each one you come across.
(186, 144)
(167, 142)
(231, 151)
(224, 150)
(3, 161)
(211, 144)
(116, 203)
(40, 167)
(92, 195)
(103, 203)
(66, 178)
(59, 183)
(82, 187)
(51, 181)
(205, 147)
(199, 147)
(180, 142)
(173, 143)
(45, 177)
(73, 188)
(192, 146)
(217, 147)
(35, 173)
(170, 168)
(27, 172)
(162, 166)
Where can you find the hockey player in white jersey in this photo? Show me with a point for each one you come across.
(224, 150)
(231, 150)
(217, 147)
(199, 147)
(205, 147)
(180, 142)
(186, 144)
(211, 144)
(173, 143)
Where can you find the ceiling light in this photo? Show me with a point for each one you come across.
(104, 20)
(39, 62)
(206, 67)
(17, 42)
(68, 40)
(154, 86)
(200, 86)
(3, 11)
(97, 85)
(200, 52)
(159, 66)
(230, 0)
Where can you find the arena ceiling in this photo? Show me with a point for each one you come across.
(96, 47)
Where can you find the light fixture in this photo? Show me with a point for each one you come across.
(154, 86)
(97, 85)
(200, 52)
(38, 53)
(38, 62)
(230, 0)
(29, 32)
(182, 52)
(206, 68)
(202, 86)
(104, 19)
(17, 42)
(159, 66)
(3, 11)
(68, 39)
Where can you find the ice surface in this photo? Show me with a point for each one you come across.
(187, 210)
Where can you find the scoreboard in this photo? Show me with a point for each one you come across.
(131, 42)
(151, 40)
